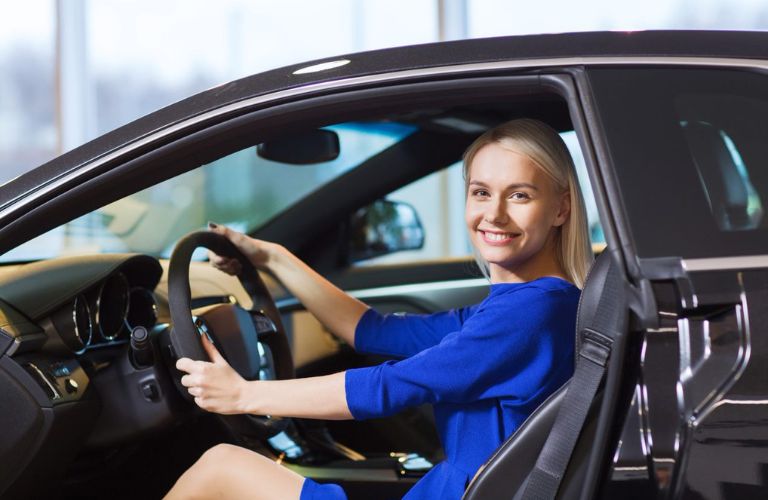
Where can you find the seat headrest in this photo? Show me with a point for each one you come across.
(726, 188)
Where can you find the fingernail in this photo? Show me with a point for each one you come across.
(212, 225)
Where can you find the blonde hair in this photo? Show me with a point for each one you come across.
(544, 146)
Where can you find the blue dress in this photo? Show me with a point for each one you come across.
(484, 368)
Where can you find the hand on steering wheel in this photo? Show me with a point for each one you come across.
(246, 347)
(214, 384)
(256, 251)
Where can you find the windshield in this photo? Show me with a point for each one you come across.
(241, 190)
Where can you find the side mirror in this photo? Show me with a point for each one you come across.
(384, 227)
(306, 148)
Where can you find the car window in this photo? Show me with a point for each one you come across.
(731, 197)
(439, 201)
(242, 190)
(689, 148)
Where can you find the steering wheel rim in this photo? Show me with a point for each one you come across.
(185, 335)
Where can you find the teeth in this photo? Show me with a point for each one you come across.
(497, 236)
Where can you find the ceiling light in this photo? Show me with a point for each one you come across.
(322, 66)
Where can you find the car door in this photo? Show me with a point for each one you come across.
(683, 149)
(180, 139)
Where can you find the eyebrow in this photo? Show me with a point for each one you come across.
(516, 185)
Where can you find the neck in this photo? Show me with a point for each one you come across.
(500, 274)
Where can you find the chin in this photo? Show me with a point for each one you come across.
(508, 264)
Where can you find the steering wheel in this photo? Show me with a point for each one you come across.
(253, 342)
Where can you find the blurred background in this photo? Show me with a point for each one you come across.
(71, 70)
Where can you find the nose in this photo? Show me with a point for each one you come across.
(496, 212)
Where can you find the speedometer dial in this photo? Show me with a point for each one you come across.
(112, 306)
(81, 315)
(143, 308)
(73, 324)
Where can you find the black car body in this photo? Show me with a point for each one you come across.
(672, 128)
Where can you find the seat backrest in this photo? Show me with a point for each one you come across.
(507, 469)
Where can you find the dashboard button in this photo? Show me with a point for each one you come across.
(70, 386)
(149, 390)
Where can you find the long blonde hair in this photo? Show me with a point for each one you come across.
(544, 146)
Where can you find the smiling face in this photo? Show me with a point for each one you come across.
(513, 211)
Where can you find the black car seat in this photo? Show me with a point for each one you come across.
(505, 473)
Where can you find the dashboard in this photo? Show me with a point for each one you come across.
(81, 301)
(67, 377)
(107, 312)
(52, 312)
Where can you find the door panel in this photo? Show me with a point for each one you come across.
(684, 149)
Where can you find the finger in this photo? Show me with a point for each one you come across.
(190, 381)
(212, 352)
(184, 364)
(235, 237)
(191, 366)
(220, 261)
(225, 264)
(226, 269)
(219, 229)
(216, 259)
(232, 267)
(205, 404)
(195, 391)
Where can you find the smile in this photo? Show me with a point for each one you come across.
(497, 238)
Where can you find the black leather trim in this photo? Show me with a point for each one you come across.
(5, 341)
(510, 465)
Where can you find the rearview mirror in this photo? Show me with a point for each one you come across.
(384, 227)
(306, 148)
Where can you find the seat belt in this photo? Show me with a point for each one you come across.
(544, 480)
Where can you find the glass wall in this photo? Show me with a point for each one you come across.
(132, 57)
(27, 91)
(73, 69)
(135, 56)
(175, 48)
(501, 17)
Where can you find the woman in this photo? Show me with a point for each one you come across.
(485, 368)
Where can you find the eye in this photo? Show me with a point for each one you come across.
(520, 196)
(480, 192)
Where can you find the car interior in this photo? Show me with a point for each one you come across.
(96, 309)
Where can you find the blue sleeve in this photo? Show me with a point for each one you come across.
(403, 335)
(510, 347)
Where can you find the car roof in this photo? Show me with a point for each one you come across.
(543, 48)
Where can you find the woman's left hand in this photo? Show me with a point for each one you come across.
(215, 385)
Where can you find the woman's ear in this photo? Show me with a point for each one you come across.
(564, 209)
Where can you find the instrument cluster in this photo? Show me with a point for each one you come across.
(105, 314)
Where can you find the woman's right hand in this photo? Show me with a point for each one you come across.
(259, 252)
(335, 309)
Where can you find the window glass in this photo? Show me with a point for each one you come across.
(241, 190)
(187, 46)
(28, 105)
(596, 235)
(439, 201)
(500, 17)
(689, 149)
(731, 197)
